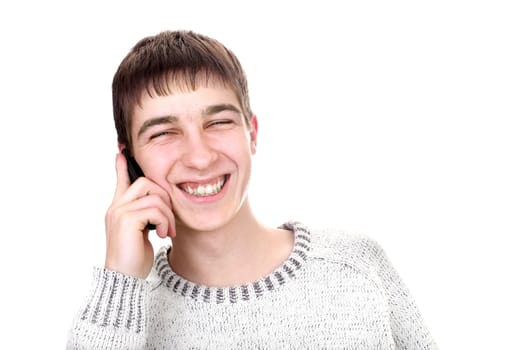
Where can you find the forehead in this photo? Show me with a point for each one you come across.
(181, 101)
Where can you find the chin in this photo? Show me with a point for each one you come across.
(204, 223)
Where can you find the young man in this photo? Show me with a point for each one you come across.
(182, 111)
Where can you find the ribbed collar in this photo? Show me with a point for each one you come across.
(235, 294)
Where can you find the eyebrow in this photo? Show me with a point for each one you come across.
(171, 119)
(214, 109)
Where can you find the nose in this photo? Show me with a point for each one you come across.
(198, 153)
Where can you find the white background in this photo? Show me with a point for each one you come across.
(402, 120)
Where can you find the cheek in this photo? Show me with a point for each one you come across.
(156, 168)
(244, 160)
(241, 152)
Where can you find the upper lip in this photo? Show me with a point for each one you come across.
(202, 181)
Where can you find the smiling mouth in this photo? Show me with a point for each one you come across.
(209, 188)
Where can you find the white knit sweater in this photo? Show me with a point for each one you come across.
(335, 291)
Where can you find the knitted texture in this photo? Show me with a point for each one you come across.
(335, 291)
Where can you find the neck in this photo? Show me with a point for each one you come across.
(239, 252)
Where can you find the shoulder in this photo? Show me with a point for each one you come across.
(344, 247)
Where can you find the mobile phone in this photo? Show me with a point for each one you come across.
(134, 172)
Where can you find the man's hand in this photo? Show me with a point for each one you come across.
(128, 248)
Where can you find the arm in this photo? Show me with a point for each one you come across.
(113, 316)
(408, 327)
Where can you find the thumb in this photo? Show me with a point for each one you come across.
(123, 181)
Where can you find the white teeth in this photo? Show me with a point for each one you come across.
(205, 190)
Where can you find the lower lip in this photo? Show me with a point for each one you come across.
(208, 199)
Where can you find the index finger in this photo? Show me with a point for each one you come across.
(123, 181)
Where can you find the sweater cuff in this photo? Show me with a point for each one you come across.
(116, 301)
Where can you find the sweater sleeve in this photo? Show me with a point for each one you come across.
(408, 328)
(112, 316)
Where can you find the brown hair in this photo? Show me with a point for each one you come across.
(183, 57)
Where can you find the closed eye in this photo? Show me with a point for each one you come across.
(219, 122)
(161, 133)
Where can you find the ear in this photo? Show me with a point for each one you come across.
(253, 134)
(120, 147)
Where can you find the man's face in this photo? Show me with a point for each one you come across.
(197, 146)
